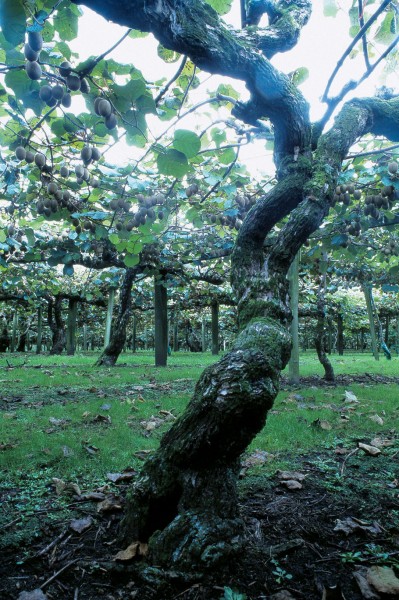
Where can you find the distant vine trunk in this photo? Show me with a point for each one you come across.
(56, 324)
(320, 334)
(111, 353)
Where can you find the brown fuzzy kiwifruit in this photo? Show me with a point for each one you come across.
(65, 68)
(30, 54)
(111, 121)
(20, 153)
(33, 70)
(73, 82)
(35, 40)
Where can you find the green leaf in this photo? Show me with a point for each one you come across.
(300, 75)
(66, 23)
(3, 236)
(131, 260)
(330, 8)
(172, 163)
(13, 21)
(187, 142)
(387, 31)
(169, 56)
(221, 6)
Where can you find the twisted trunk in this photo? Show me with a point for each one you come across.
(56, 324)
(184, 503)
(117, 341)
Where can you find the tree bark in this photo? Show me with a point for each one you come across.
(14, 332)
(117, 340)
(340, 334)
(108, 320)
(4, 337)
(293, 277)
(369, 304)
(71, 327)
(56, 325)
(185, 503)
(161, 322)
(320, 333)
(39, 336)
(215, 328)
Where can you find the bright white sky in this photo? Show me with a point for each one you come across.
(322, 43)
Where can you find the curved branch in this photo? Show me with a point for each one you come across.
(194, 29)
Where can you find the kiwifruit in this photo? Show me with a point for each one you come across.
(73, 82)
(59, 195)
(79, 171)
(52, 187)
(129, 225)
(346, 199)
(10, 230)
(84, 86)
(52, 102)
(64, 171)
(78, 229)
(338, 190)
(387, 190)
(40, 160)
(45, 93)
(54, 205)
(65, 68)
(111, 121)
(113, 204)
(58, 91)
(151, 213)
(30, 157)
(121, 203)
(96, 104)
(35, 40)
(104, 108)
(393, 167)
(47, 211)
(20, 153)
(30, 54)
(357, 194)
(95, 183)
(86, 225)
(161, 215)
(66, 195)
(86, 174)
(66, 100)
(95, 153)
(86, 154)
(119, 226)
(79, 180)
(33, 70)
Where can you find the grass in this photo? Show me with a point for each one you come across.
(62, 418)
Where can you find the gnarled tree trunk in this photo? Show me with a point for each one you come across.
(184, 503)
(112, 351)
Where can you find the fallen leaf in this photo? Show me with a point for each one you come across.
(384, 580)
(66, 451)
(143, 454)
(9, 415)
(370, 450)
(350, 397)
(352, 525)
(94, 496)
(102, 419)
(132, 551)
(58, 422)
(127, 475)
(321, 424)
(258, 457)
(360, 576)
(68, 487)
(169, 416)
(105, 406)
(282, 595)
(377, 419)
(86, 414)
(291, 475)
(381, 443)
(341, 450)
(90, 449)
(80, 525)
(291, 484)
(33, 595)
(109, 504)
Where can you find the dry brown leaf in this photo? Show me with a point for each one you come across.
(127, 475)
(109, 504)
(291, 484)
(258, 457)
(377, 419)
(94, 496)
(86, 414)
(350, 397)
(143, 454)
(132, 551)
(384, 580)
(291, 475)
(370, 450)
(342, 450)
(360, 576)
(91, 449)
(381, 442)
(352, 525)
(80, 525)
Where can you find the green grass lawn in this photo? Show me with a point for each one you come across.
(62, 418)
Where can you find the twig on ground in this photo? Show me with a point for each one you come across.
(346, 458)
(58, 573)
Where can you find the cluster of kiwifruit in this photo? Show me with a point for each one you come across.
(150, 254)
(354, 228)
(393, 167)
(192, 189)
(344, 194)
(391, 249)
(126, 221)
(103, 108)
(86, 225)
(383, 200)
(51, 95)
